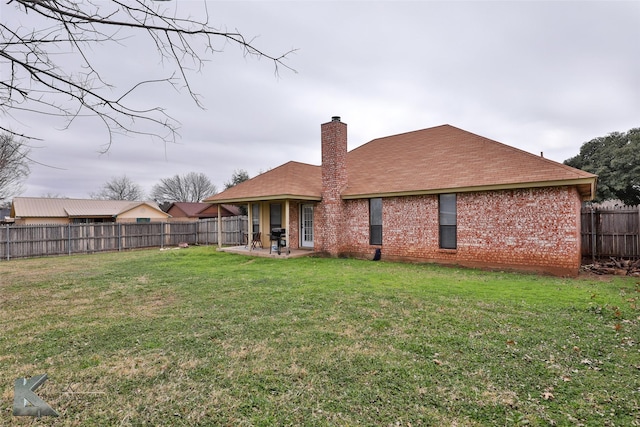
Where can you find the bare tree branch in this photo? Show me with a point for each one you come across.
(192, 187)
(119, 188)
(14, 165)
(38, 81)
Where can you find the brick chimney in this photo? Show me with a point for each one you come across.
(334, 158)
(334, 181)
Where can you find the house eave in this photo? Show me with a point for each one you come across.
(586, 188)
(243, 200)
(88, 216)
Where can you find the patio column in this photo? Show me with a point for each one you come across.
(249, 227)
(286, 222)
(219, 226)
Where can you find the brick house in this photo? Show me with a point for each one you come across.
(440, 195)
(195, 211)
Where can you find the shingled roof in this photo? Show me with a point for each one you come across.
(429, 161)
(448, 159)
(293, 180)
(200, 210)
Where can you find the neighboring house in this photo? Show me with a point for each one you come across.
(44, 210)
(187, 211)
(440, 195)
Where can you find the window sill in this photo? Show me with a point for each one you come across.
(448, 251)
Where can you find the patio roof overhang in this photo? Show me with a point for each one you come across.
(245, 200)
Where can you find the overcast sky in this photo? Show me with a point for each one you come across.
(542, 76)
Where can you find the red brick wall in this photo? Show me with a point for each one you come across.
(319, 229)
(527, 229)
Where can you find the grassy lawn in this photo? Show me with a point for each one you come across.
(196, 337)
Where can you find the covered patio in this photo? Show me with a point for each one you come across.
(280, 200)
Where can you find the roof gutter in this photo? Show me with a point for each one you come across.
(240, 200)
(586, 188)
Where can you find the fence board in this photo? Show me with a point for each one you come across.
(20, 241)
(610, 232)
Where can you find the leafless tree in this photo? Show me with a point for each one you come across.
(37, 77)
(192, 187)
(14, 165)
(50, 195)
(119, 188)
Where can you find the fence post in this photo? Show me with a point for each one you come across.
(195, 232)
(119, 237)
(206, 228)
(8, 242)
(593, 237)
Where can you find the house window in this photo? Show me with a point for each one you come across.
(143, 220)
(275, 216)
(448, 221)
(255, 217)
(375, 221)
(90, 220)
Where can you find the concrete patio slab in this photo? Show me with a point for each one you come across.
(264, 252)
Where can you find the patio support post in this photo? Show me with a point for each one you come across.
(286, 222)
(249, 227)
(219, 227)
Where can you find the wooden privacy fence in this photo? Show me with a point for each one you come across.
(611, 232)
(20, 241)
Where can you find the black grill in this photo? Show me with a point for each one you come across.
(278, 235)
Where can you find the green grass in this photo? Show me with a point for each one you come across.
(196, 337)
